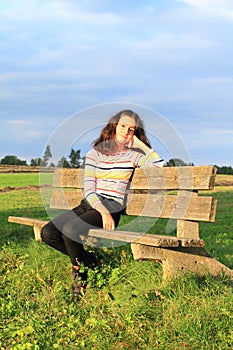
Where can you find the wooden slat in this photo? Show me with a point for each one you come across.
(184, 206)
(27, 221)
(68, 178)
(187, 229)
(170, 178)
(65, 199)
(146, 239)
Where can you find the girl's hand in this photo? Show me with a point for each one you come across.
(134, 142)
(131, 141)
(108, 222)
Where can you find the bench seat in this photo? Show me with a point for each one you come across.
(37, 224)
(117, 235)
(146, 239)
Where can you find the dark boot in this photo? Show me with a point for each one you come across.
(80, 275)
(91, 261)
(79, 283)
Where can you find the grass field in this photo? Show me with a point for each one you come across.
(126, 305)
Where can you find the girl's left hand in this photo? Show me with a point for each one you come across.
(135, 142)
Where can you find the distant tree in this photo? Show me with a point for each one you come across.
(47, 156)
(13, 160)
(63, 163)
(227, 170)
(75, 158)
(83, 162)
(176, 162)
(36, 162)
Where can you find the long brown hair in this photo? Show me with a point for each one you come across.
(106, 144)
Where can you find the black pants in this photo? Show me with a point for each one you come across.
(64, 232)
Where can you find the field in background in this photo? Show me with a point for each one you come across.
(224, 180)
(126, 305)
(24, 178)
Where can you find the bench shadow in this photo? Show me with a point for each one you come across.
(11, 232)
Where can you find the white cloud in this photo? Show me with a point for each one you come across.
(33, 134)
(208, 139)
(16, 122)
(209, 4)
(24, 129)
(221, 132)
(223, 8)
(64, 12)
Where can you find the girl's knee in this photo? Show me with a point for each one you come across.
(47, 233)
(43, 234)
(68, 229)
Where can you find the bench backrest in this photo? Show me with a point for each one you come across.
(168, 192)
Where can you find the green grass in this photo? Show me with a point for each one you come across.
(126, 305)
(24, 179)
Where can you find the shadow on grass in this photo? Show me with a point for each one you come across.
(16, 232)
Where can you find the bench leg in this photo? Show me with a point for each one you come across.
(37, 231)
(176, 261)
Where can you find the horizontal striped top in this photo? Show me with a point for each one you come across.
(108, 175)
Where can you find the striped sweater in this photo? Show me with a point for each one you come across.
(108, 175)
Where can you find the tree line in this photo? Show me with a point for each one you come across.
(76, 161)
(227, 170)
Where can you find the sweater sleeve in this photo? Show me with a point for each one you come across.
(90, 182)
(150, 159)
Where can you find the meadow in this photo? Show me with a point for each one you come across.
(126, 305)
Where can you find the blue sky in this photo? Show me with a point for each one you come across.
(60, 57)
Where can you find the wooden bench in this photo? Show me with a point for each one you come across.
(169, 192)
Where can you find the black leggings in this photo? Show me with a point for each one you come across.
(64, 232)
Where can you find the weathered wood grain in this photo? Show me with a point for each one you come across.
(68, 178)
(65, 199)
(184, 206)
(187, 229)
(146, 239)
(177, 261)
(169, 178)
(27, 221)
(35, 223)
(186, 177)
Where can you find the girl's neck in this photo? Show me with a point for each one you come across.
(120, 147)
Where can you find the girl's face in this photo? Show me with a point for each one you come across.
(125, 130)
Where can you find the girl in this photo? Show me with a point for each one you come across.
(121, 147)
